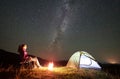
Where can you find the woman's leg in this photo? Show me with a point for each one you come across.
(36, 62)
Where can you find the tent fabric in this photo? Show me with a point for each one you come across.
(82, 59)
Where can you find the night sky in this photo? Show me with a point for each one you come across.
(55, 29)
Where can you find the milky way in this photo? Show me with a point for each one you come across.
(62, 24)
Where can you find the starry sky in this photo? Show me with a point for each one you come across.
(55, 29)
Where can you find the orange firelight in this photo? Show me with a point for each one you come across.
(50, 66)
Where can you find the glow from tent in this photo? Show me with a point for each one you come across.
(50, 66)
(85, 60)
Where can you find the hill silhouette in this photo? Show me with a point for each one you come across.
(10, 58)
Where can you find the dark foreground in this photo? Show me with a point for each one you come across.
(57, 73)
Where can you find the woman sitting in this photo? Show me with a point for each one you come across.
(25, 58)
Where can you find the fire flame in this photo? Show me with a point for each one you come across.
(50, 66)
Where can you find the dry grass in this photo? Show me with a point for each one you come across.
(57, 73)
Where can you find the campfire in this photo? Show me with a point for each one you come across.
(50, 66)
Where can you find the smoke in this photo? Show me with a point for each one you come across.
(62, 24)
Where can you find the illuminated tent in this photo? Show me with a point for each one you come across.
(81, 59)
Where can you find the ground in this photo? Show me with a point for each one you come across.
(56, 73)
